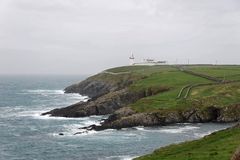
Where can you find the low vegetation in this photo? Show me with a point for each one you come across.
(217, 146)
(172, 80)
(227, 72)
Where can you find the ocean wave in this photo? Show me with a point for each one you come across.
(118, 158)
(168, 129)
(85, 120)
(140, 128)
(74, 129)
(200, 135)
(55, 94)
(37, 115)
(179, 129)
(8, 111)
(43, 91)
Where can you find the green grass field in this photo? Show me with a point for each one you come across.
(218, 95)
(173, 80)
(218, 146)
(231, 72)
(142, 70)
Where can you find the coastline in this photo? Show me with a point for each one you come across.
(120, 95)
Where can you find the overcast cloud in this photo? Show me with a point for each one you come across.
(87, 36)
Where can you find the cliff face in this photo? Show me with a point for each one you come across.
(105, 104)
(126, 117)
(90, 88)
(102, 105)
(102, 83)
(108, 93)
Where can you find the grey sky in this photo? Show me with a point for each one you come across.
(86, 36)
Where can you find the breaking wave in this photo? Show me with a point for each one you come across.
(118, 158)
(179, 129)
(43, 91)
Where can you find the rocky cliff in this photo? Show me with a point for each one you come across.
(102, 83)
(107, 94)
(126, 117)
(102, 105)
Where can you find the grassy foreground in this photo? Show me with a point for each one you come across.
(217, 146)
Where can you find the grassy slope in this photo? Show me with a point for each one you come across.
(169, 77)
(218, 95)
(218, 146)
(174, 80)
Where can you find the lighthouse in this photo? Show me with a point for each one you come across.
(131, 59)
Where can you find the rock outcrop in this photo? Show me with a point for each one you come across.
(102, 84)
(126, 117)
(106, 104)
(229, 114)
(103, 105)
(89, 88)
(107, 94)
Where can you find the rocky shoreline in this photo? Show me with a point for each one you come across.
(126, 117)
(112, 99)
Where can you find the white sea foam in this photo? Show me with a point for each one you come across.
(86, 121)
(118, 157)
(200, 135)
(11, 111)
(56, 95)
(73, 130)
(128, 157)
(140, 128)
(43, 91)
(38, 115)
(179, 129)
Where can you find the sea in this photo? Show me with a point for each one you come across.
(26, 135)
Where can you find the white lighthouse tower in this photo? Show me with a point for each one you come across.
(131, 59)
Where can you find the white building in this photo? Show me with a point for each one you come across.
(147, 62)
(131, 59)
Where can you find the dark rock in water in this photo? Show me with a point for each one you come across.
(80, 132)
(88, 127)
(61, 134)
